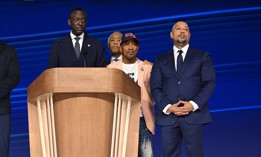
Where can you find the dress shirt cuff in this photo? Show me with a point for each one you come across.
(165, 110)
(195, 106)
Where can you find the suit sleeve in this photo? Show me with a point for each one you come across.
(13, 73)
(208, 81)
(156, 86)
(53, 60)
(146, 95)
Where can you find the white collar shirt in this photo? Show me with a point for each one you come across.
(74, 40)
(176, 53)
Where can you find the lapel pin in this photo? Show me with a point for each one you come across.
(89, 45)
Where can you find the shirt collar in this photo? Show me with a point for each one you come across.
(73, 36)
(112, 58)
(184, 49)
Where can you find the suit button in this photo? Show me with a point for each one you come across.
(179, 82)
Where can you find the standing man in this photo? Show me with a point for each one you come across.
(77, 49)
(114, 41)
(139, 71)
(182, 81)
(9, 78)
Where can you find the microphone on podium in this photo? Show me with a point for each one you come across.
(84, 52)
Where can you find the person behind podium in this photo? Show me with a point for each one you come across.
(9, 79)
(139, 71)
(182, 81)
(114, 41)
(77, 49)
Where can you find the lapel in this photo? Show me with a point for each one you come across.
(118, 65)
(170, 62)
(86, 44)
(68, 45)
(186, 62)
(141, 71)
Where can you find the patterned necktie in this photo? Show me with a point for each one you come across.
(77, 47)
(179, 61)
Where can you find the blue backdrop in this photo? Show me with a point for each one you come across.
(228, 29)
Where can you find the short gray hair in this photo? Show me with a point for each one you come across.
(108, 42)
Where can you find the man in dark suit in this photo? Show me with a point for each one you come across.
(77, 49)
(9, 78)
(182, 81)
(114, 41)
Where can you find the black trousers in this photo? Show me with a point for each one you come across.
(5, 124)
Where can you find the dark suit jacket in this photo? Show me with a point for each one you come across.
(9, 76)
(196, 82)
(63, 54)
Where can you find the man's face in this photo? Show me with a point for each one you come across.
(77, 22)
(180, 34)
(114, 43)
(129, 50)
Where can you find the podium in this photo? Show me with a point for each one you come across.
(80, 112)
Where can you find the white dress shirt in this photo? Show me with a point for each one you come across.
(80, 40)
(176, 53)
(113, 59)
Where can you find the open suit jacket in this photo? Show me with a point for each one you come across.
(147, 103)
(9, 76)
(63, 54)
(196, 82)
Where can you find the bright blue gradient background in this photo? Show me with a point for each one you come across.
(230, 30)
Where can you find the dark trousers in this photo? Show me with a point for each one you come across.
(173, 135)
(5, 124)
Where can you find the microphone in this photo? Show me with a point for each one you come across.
(84, 52)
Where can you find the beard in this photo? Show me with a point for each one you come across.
(180, 41)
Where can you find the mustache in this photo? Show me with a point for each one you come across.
(182, 34)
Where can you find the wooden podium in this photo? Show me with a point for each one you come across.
(80, 112)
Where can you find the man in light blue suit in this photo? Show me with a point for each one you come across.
(182, 81)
